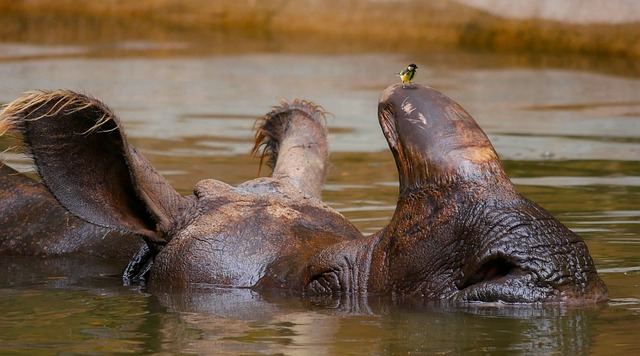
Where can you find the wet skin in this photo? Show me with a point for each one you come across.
(33, 223)
(460, 230)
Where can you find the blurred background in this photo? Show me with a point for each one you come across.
(597, 27)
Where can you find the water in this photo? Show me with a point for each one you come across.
(568, 130)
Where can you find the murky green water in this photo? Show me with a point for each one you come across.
(569, 136)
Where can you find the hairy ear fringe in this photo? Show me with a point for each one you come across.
(41, 104)
(272, 128)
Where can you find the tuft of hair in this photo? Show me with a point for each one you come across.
(41, 104)
(272, 128)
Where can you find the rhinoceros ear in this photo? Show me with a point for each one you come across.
(83, 158)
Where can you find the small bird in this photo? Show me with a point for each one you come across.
(408, 74)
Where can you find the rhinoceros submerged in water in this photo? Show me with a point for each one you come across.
(460, 231)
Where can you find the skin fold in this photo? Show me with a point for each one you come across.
(460, 231)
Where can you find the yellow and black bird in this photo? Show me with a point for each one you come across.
(408, 74)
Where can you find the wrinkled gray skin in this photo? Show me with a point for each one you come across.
(222, 235)
(460, 230)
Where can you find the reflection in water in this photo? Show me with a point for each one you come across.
(242, 321)
(55, 307)
(36, 320)
(501, 329)
(69, 305)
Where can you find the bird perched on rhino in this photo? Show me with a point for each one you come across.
(407, 74)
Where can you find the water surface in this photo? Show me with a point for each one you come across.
(569, 137)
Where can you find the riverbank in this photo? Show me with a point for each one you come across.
(370, 24)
